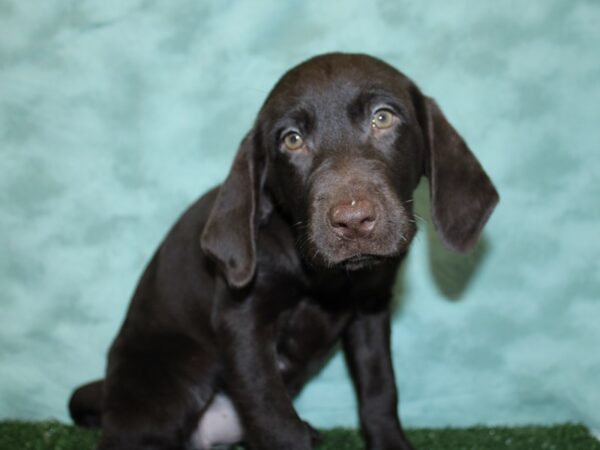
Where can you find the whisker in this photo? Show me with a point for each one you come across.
(419, 217)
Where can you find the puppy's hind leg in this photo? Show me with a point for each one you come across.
(155, 396)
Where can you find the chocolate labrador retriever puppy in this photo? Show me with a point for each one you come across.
(295, 251)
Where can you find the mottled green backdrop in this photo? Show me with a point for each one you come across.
(114, 115)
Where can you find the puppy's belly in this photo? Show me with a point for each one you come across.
(219, 425)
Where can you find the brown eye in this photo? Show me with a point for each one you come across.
(382, 119)
(293, 141)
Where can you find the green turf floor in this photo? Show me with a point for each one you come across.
(57, 436)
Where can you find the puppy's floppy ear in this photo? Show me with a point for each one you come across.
(229, 235)
(462, 195)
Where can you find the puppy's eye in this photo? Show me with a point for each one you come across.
(383, 118)
(293, 141)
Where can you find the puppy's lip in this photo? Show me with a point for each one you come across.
(361, 257)
(361, 260)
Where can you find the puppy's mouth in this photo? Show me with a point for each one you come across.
(361, 261)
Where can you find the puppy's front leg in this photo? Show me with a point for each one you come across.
(367, 350)
(246, 333)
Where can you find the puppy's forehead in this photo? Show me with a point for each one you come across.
(333, 80)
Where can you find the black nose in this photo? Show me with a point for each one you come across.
(353, 220)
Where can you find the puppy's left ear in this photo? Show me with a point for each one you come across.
(230, 233)
(462, 195)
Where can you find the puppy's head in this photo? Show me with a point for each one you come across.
(338, 148)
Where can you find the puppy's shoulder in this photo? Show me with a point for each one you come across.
(277, 248)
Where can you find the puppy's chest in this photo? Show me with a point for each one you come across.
(307, 332)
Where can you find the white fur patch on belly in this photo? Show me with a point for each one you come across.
(219, 425)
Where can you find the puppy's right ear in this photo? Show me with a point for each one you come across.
(229, 235)
(462, 194)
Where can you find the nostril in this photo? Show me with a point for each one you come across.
(367, 220)
(336, 221)
(338, 216)
(367, 224)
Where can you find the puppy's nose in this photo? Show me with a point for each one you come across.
(353, 220)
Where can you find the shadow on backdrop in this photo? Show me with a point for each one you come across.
(451, 271)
